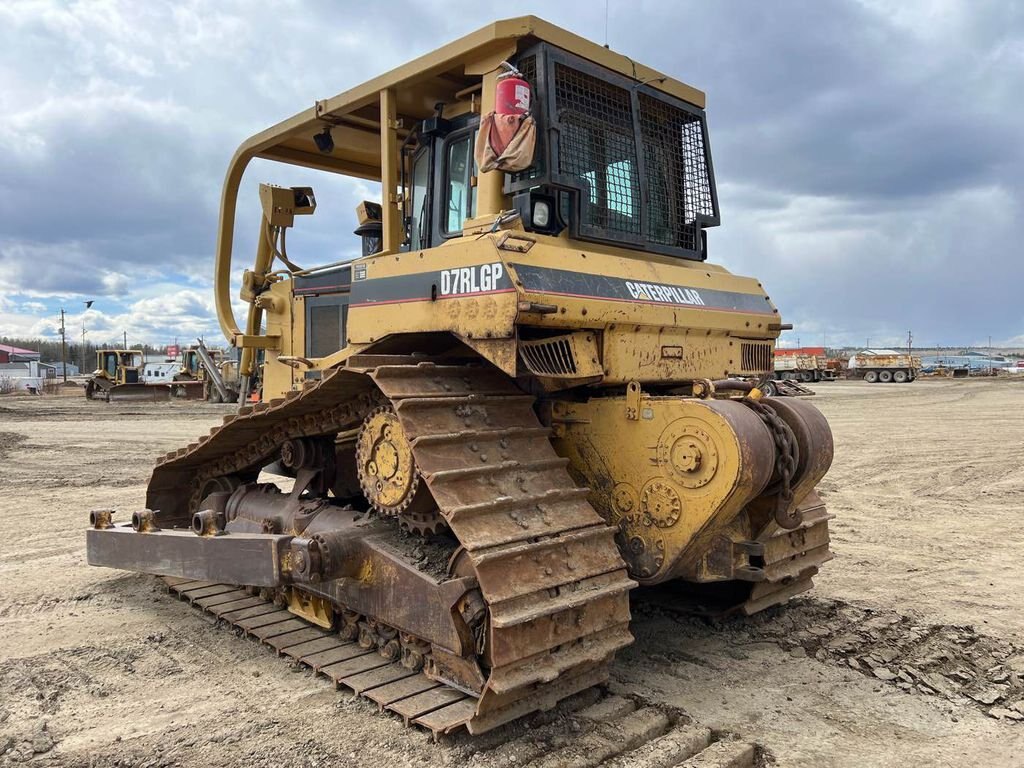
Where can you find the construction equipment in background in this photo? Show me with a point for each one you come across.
(220, 375)
(884, 365)
(206, 375)
(805, 364)
(189, 381)
(805, 368)
(525, 399)
(118, 376)
(785, 388)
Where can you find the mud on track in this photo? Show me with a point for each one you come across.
(102, 668)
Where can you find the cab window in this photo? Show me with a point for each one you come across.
(419, 226)
(458, 198)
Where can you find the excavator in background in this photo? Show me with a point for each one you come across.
(527, 397)
(118, 376)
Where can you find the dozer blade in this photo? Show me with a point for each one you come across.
(156, 393)
(186, 390)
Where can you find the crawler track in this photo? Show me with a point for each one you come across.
(555, 586)
(607, 730)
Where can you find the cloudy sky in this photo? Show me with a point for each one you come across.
(869, 153)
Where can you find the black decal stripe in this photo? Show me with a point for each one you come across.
(324, 288)
(416, 287)
(584, 285)
(427, 298)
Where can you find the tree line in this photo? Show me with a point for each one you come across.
(49, 350)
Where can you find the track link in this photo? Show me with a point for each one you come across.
(608, 730)
(547, 565)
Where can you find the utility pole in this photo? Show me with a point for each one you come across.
(63, 347)
(88, 306)
(125, 340)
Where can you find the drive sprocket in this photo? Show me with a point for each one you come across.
(386, 468)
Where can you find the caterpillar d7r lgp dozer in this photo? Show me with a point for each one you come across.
(530, 394)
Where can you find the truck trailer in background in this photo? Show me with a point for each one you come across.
(806, 364)
(884, 365)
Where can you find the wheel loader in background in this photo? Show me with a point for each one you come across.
(118, 376)
(523, 400)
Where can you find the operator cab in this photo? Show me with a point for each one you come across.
(616, 162)
(441, 179)
(108, 363)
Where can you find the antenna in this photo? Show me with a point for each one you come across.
(606, 2)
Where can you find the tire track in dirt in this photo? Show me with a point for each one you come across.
(952, 662)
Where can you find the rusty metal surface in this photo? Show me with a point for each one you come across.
(401, 595)
(411, 695)
(242, 558)
(488, 462)
(498, 484)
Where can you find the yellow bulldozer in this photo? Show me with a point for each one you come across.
(531, 392)
(118, 376)
(204, 374)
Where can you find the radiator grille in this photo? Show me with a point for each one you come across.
(550, 357)
(755, 358)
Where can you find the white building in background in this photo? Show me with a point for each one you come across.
(29, 376)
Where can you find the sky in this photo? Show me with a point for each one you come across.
(868, 153)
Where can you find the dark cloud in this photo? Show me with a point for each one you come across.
(867, 153)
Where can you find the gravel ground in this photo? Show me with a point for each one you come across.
(909, 651)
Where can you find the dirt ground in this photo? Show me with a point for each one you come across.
(909, 651)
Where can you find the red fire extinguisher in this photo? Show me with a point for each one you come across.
(512, 94)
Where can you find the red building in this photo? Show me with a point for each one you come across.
(9, 354)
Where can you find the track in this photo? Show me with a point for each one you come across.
(606, 730)
(555, 587)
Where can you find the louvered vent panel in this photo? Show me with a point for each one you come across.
(755, 358)
(549, 357)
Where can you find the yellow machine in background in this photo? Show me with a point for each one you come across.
(533, 365)
(118, 376)
(205, 374)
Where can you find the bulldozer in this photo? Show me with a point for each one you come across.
(188, 382)
(118, 376)
(530, 393)
(204, 374)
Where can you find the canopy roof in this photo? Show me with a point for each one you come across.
(408, 94)
(419, 85)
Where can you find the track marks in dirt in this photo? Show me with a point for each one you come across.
(945, 661)
(597, 727)
(9, 442)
